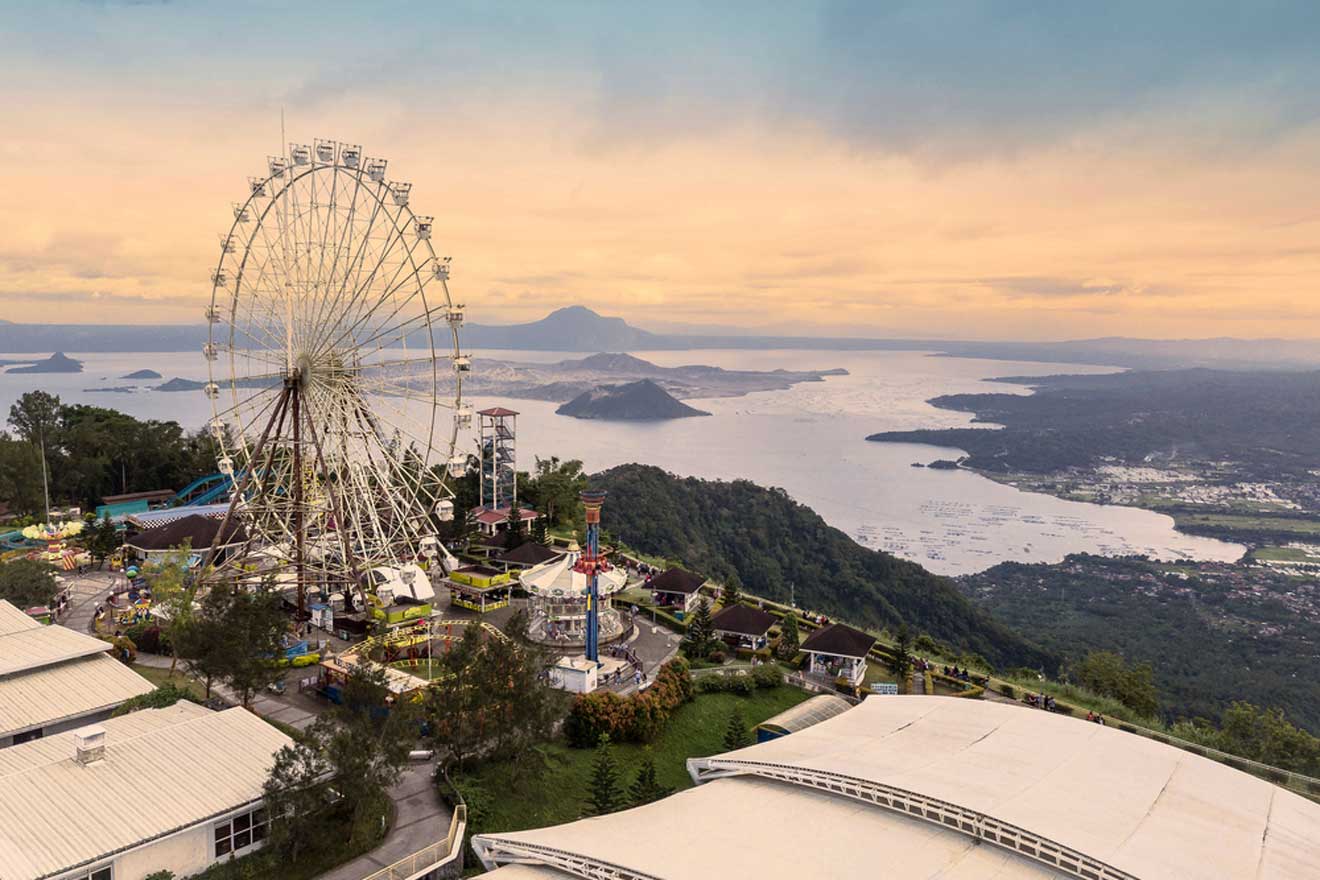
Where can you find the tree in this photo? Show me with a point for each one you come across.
(789, 639)
(555, 489)
(902, 662)
(252, 623)
(697, 641)
(539, 533)
(173, 591)
(604, 794)
(731, 594)
(1106, 673)
(646, 788)
(103, 541)
(27, 582)
(489, 697)
(736, 734)
(20, 476)
(334, 781)
(515, 527)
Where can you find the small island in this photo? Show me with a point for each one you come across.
(643, 400)
(59, 362)
(142, 374)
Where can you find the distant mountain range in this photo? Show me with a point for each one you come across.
(578, 328)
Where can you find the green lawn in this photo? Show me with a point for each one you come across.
(158, 677)
(1283, 554)
(554, 790)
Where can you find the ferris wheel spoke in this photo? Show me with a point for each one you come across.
(362, 297)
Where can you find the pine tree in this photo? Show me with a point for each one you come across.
(605, 795)
(539, 534)
(788, 636)
(731, 594)
(646, 788)
(700, 632)
(736, 735)
(516, 534)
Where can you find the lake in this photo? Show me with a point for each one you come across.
(809, 440)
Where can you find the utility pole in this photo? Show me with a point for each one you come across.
(45, 481)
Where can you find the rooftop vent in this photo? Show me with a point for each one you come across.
(89, 744)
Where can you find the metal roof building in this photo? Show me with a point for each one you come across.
(941, 787)
(53, 679)
(68, 804)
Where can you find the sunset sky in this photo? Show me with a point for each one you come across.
(956, 169)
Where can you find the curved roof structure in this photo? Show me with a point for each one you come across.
(808, 713)
(920, 785)
(557, 578)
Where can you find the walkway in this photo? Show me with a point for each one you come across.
(420, 819)
(291, 708)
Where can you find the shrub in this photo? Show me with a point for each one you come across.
(767, 676)
(166, 695)
(718, 656)
(1008, 691)
(742, 652)
(1278, 777)
(639, 717)
(148, 638)
(742, 684)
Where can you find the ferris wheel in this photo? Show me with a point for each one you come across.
(335, 369)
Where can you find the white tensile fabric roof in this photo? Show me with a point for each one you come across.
(557, 577)
(57, 814)
(26, 644)
(66, 690)
(1144, 809)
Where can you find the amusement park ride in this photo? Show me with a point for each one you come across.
(335, 374)
(591, 564)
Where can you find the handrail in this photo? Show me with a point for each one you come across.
(1298, 783)
(428, 857)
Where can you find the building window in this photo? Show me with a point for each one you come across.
(106, 873)
(238, 833)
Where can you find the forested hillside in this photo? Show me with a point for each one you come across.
(1213, 633)
(769, 541)
(1268, 423)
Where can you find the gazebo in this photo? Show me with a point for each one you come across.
(676, 588)
(838, 652)
(743, 626)
(525, 555)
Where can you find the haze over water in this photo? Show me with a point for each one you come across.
(809, 440)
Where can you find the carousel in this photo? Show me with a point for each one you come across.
(557, 595)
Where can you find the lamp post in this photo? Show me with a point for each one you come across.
(591, 564)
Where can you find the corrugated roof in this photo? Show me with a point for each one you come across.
(56, 814)
(808, 713)
(30, 645)
(13, 619)
(66, 690)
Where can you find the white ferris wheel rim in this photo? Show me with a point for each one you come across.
(351, 336)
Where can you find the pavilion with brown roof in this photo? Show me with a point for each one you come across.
(839, 652)
(525, 555)
(743, 626)
(676, 588)
(197, 532)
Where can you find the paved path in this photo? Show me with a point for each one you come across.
(420, 819)
(291, 708)
(86, 592)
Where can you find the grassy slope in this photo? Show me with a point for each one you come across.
(556, 791)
